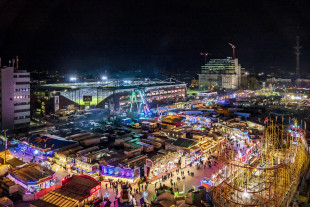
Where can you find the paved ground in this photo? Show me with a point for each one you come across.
(190, 182)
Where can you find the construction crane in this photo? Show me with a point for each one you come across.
(205, 55)
(233, 47)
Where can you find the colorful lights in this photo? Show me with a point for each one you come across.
(246, 194)
(95, 189)
(110, 170)
(107, 194)
(145, 194)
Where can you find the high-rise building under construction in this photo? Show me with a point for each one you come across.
(221, 74)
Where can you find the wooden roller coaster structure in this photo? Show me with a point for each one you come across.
(272, 177)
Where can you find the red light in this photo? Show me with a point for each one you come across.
(63, 179)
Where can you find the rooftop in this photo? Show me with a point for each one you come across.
(47, 141)
(31, 173)
(75, 190)
(186, 143)
(15, 162)
(78, 187)
(112, 85)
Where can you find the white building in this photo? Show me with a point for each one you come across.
(15, 98)
(221, 74)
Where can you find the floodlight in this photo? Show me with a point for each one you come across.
(73, 79)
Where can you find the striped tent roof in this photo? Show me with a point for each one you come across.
(57, 199)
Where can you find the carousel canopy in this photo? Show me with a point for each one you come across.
(172, 119)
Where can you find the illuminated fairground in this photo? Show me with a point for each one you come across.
(268, 178)
(251, 93)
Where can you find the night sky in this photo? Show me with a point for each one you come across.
(152, 36)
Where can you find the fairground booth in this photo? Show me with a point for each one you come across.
(33, 177)
(43, 146)
(124, 174)
(77, 190)
(241, 134)
(206, 183)
(203, 122)
(161, 164)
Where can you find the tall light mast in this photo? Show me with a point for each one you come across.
(233, 47)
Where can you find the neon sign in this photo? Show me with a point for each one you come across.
(95, 189)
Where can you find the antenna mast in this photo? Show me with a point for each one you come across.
(297, 52)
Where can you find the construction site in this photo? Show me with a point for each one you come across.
(269, 179)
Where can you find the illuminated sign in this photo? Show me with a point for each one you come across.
(95, 189)
(87, 98)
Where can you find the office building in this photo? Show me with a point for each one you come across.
(221, 74)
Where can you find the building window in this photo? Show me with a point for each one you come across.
(22, 83)
(21, 103)
(21, 110)
(23, 76)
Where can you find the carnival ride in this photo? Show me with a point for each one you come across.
(138, 100)
(271, 177)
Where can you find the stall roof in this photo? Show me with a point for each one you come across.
(70, 194)
(41, 203)
(78, 187)
(15, 162)
(187, 143)
(45, 141)
(31, 172)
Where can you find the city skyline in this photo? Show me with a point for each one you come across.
(149, 36)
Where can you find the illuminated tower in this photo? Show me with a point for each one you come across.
(297, 52)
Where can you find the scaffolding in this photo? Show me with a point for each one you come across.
(271, 177)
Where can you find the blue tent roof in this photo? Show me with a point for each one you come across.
(49, 141)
